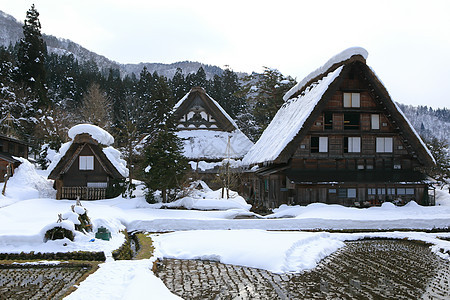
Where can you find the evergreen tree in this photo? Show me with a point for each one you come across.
(230, 101)
(178, 85)
(31, 56)
(197, 79)
(441, 153)
(163, 163)
(265, 93)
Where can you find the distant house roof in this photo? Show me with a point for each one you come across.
(8, 138)
(210, 141)
(305, 100)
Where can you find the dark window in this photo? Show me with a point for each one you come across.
(342, 193)
(351, 121)
(345, 144)
(314, 144)
(328, 121)
(1, 146)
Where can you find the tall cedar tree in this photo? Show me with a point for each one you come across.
(178, 85)
(266, 95)
(164, 164)
(31, 56)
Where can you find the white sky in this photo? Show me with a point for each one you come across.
(408, 41)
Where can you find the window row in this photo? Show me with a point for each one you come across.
(351, 192)
(352, 121)
(319, 144)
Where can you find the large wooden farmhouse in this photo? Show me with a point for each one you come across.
(339, 138)
(87, 168)
(10, 148)
(209, 134)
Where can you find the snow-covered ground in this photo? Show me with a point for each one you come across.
(29, 207)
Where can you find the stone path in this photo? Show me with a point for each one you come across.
(370, 269)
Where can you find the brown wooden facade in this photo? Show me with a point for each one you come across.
(359, 153)
(10, 148)
(85, 171)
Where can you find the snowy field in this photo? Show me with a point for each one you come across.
(201, 231)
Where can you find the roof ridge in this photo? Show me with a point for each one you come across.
(342, 58)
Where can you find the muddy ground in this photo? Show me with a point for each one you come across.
(369, 269)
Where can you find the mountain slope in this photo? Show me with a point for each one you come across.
(11, 32)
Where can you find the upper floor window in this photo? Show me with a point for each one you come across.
(1, 146)
(319, 144)
(375, 121)
(384, 144)
(352, 100)
(351, 121)
(86, 162)
(352, 144)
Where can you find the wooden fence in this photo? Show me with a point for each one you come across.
(84, 193)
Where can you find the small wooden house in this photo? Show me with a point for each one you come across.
(85, 170)
(339, 139)
(207, 130)
(10, 148)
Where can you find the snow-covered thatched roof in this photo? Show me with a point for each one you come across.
(202, 143)
(276, 143)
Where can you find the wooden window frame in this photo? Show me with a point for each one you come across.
(86, 162)
(352, 100)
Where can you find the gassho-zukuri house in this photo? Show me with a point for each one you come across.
(208, 133)
(339, 138)
(88, 166)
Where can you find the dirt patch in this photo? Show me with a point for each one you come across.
(368, 269)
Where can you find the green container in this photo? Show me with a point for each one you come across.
(103, 234)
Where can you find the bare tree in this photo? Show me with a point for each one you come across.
(96, 107)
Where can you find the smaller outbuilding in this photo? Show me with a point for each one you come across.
(88, 166)
(10, 148)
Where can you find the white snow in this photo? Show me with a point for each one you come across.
(125, 279)
(207, 199)
(338, 58)
(25, 215)
(287, 122)
(278, 252)
(97, 133)
(204, 165)
(208, 144)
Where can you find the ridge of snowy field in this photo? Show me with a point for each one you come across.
(277, 252)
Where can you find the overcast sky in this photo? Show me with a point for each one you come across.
(408, 41)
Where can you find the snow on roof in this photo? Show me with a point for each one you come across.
(114, 157)
(97, 133)
(287, 122)
(208, 144)
(340, 57)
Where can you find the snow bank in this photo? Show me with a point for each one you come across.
(387, 211)
(26, 184)
(125, 279)
(207, 199)
(97, 133)
(203, 165)
(338, 58)
(208, 144)
(277, 252)
(287, 123)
